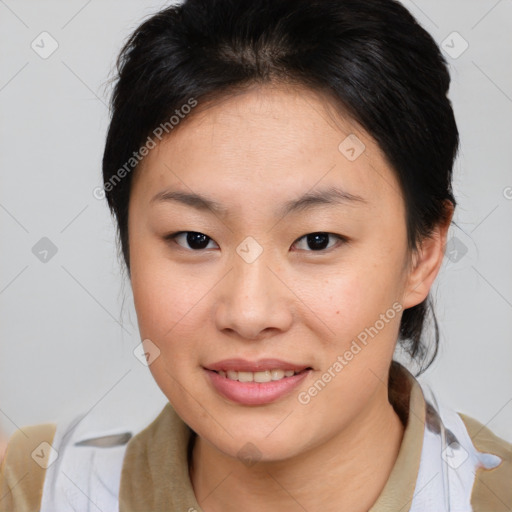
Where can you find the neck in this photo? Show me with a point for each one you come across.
(358, 462)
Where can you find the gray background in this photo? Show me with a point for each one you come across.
(67, 326)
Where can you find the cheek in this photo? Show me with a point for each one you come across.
(167, 308)
(361, 304)
(167, 303)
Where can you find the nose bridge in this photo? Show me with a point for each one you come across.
(253, 277)
(252, 299)
(252, 281)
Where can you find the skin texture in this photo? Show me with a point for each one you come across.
(252, 152)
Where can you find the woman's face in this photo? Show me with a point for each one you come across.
(251, 285)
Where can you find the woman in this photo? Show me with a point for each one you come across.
(280, 174)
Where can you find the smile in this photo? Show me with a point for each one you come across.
(255, 383)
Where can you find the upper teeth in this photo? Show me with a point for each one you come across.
(265, 376)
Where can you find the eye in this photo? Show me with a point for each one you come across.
(196, 241)
(320, 241)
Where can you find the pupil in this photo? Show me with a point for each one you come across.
(197, 240)
(318, 240)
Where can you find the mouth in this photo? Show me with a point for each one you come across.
(255, 383)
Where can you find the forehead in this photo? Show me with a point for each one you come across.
(267, 145)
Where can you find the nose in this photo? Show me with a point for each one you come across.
(253, 301)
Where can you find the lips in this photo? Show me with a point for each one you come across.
(255, 382)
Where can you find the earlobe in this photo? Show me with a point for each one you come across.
(426, 262)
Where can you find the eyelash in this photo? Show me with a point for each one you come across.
(341, 240)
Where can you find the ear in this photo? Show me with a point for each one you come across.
(427, 261)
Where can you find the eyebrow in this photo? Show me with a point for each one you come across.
(327, 196)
